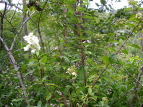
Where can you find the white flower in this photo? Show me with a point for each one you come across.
(139, 15)
(72, 70)
(105, 99)
(74, 73)
(31, 39)
(26, 48)
(33, 43)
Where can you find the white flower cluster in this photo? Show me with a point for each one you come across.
(139, 15)
(105, 99)
(33, 43)
(72, 71)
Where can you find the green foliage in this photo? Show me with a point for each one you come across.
(87, 58)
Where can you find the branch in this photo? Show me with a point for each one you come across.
(2, 21)
(14, 63)
(12, 45)
(39, 30)
(11, 5)
(136, 87)
(135, 79)
(128, 38)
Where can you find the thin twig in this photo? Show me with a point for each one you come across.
(136, 87)
(39, 30)
(127, 38)
(2, 21)
(134, 78)
(116, 101)
(12, 45)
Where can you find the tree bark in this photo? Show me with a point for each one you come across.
(135, 96)
(14, 63)
(24, 18)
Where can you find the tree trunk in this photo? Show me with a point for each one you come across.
(24, 18)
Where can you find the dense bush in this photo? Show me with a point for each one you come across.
(73, 56)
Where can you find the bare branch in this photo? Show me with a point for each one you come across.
(14, 63)
(2, 21)
(11, 5)
(136, 87)
(39, 30)
(12, 45)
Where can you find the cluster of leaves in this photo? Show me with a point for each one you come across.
(102, 49)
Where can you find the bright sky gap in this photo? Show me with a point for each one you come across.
(115, 5)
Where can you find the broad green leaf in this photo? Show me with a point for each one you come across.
(37, 53)
(43, 60)
(129, 24)
(124, 51)
(135, 46)
(48, 96)
(128, 9)
(113, 58)
(39, 104)
(90, 91)
(81, 73)
(105, 59)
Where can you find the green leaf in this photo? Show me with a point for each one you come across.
(113, 58)
(97, 4)
(43, 60)
(16, 100)
(53, 85)
(66, 59)
(81, 73)
(90, 91)
(30, 72)
(39, 104)
(88, 52)
(105, 59)
(103, 2)
(130, 24)
(135, 46)
(94, 98)
(48, 95)
(124, 51)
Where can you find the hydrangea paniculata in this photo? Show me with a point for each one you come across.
(33, 43)
(72, 70)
